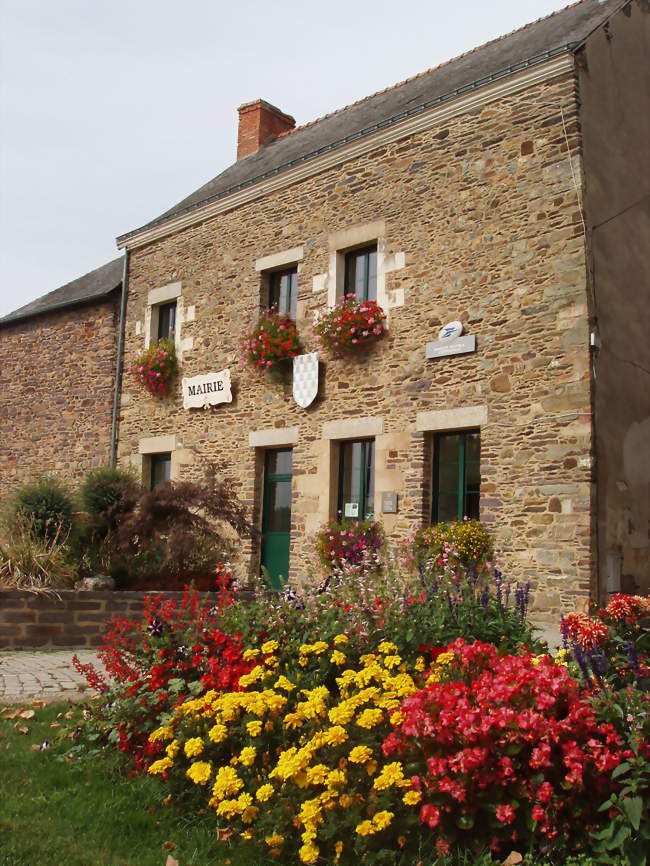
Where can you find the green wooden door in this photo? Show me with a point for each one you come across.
(276, 516)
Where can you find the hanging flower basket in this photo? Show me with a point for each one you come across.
(270, 342)
(155, 368)
(351, 324)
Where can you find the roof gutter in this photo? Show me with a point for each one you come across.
(118, 364)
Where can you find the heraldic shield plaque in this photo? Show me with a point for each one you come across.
(305, 379)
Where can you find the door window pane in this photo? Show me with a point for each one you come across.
(278, 504)
(167, 321)
(279, 462)
(161, 465)
(456, 476)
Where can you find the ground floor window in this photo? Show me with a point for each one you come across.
(456, 475)
(161, 469)
(356, 495)
(276, 515)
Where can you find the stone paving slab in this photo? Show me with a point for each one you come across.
(27, 675)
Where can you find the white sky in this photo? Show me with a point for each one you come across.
(111, 111)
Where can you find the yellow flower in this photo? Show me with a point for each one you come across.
(263, 794)
(337, 777)
(392, 661)
(386, 647)
(397, 718)
(247, 756)
(370, 718)
(193, 747)
(269, 647)
(391, 774)
(360, 755)
(308, 853)
(160, 766)
(199, 772)
(445, 659)
(164, 733)
(335, 735)
(382, 819)
(340, 639)
(365, 828)
(173, 749)
(411, 798)
(337, 658)
(274, 841)
(292, 720)
(250, 654)
(254, 729)
(303, 661)
(344, 801)
(218, 733)
(317, 775)
(419, 664)
(371, 768)
(283, 683)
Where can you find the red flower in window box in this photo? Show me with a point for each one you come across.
(270, 342)
(155, 367)
(350, 324)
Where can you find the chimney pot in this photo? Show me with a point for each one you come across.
(259, 123)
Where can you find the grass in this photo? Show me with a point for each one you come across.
(89, 813)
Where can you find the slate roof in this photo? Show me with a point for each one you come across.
(558, 33)
(93, 286)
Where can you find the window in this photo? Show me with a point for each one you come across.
(283, 291)
(456, 475)
(166, 321)
(161, 465)
(356, 498)
(361, 273)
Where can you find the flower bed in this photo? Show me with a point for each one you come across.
(350, 324)
(270, 342)
(155, 368)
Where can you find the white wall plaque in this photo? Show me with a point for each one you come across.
(450, 331)
(458, 346)
(207, 390)
(351, 509)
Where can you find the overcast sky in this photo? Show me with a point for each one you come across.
(110, 112)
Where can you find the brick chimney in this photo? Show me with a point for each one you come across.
(260, 122)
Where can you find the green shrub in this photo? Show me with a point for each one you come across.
(102, 492)
(47, 505)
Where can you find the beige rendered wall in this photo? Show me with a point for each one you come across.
(477, 220)
(57, 379)
(615, 120)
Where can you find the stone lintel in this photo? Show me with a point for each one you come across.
(452, 419)
(158, 444)
(273, 437)
(165, 293)
(276, 260)
(353, 428)
(356, 235)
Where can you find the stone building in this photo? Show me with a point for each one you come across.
(57, 379)
(504, 190)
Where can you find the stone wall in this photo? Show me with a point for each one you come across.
(57, 379)
(477, 220)
(71, 619)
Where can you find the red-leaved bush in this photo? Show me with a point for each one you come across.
(176, 652)
(505, 748)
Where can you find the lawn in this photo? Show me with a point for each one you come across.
(88, 813)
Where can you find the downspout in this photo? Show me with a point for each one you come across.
(118, 365)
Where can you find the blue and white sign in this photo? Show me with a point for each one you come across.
(450, 342)
(305, 379)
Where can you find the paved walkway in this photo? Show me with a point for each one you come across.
(27, 675)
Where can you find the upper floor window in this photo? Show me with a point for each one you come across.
(356, 499)
(161, 466)
(456, 475)
(283, 291)
(166, 321)
(361, 273)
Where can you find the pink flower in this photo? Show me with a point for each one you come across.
(505, 813)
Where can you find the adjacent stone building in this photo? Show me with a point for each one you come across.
(57, 379)
(505, 190)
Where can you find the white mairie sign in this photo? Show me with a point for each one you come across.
(450, 342)
(207, 390)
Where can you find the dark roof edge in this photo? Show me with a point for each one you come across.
(355, 136)
(18, 316)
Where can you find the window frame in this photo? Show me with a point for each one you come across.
(166, 305)
(156, 460)
(462, 473)
(274, 278)
(366, 251)
(362, 479)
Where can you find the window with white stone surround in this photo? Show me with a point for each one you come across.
(164, 318)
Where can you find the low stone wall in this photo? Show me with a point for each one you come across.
(73, 619)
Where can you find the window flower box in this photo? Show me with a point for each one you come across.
(351, 324)
(271, 342)
(155, 368)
